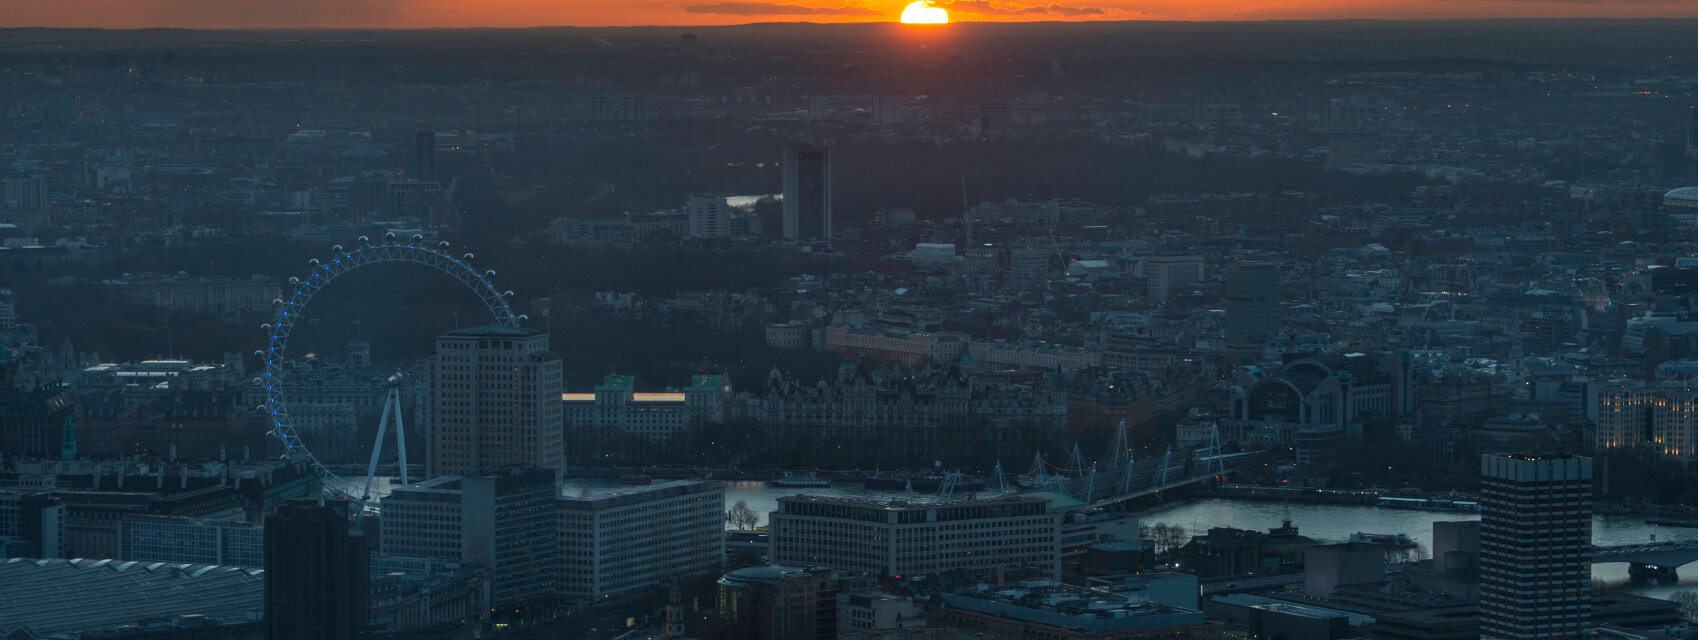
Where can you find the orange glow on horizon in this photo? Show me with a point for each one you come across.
(412, 14)
(923, 12)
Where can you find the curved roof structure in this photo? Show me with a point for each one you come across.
(1684, 197)
(66, 596)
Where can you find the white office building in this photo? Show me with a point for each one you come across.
(709, 217)
(898, 538)
(495, 403)
(626, 541)
(503, 523)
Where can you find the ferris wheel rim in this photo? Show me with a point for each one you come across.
(323, 273)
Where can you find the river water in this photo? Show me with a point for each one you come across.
(1325, 522)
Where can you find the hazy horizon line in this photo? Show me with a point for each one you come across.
(853, 23)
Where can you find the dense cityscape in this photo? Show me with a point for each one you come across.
(1059, 331)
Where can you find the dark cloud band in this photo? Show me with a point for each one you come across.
(776, 9)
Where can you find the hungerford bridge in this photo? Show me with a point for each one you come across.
(1125, 478)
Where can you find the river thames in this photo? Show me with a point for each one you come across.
(1324, 522)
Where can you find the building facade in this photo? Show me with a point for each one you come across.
(807, 192)
(616, 407)
(495, 403)
(1252, 300)
(898, 539)
(504, 523)
(1535, 540)
(191, 540)
(915, 411)
(710, 218)
(912, 348)
(316, 573)
(617, 544)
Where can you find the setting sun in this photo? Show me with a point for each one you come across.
(924, 13)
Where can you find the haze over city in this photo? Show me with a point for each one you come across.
(848, 320)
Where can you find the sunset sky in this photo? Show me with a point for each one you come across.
(527, 13)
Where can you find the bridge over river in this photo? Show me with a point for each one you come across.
(1657, 560)
(1124, 478)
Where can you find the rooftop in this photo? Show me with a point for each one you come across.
(64, 596)
(1053, 603)
(493, 331)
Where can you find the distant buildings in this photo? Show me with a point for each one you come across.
(495, 403)
(316, 573)
(1535, 541)
(807, 192)
(616, 408)
(1661, 414)
(978, 537)
(1028, 270)
(1168, 275)
(1347, 148)
(424, 155)
(1252, 297)
(228, 297)
(1321, 392)
(710, 218)
(913, 412)
(910, 348)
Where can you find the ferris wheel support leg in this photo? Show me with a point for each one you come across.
(400, 434)
(376, 450)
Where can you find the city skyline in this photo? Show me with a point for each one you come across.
(1368, 330)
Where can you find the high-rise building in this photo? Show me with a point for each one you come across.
(899, 539)
(1252, 306)
(495, 403)
(1621, 413)
(1535, 536)
(994, 119)
(424, 156)
(503, 523)
(709, 217)
(1692, 130)
(316, 573)
(367, 197)
(1671, 164)
(23, 193)
(32, 525)
(807, 192)
(1028, 269)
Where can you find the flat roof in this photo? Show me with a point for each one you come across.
(493, 331)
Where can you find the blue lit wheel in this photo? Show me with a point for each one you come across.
(283, 322)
